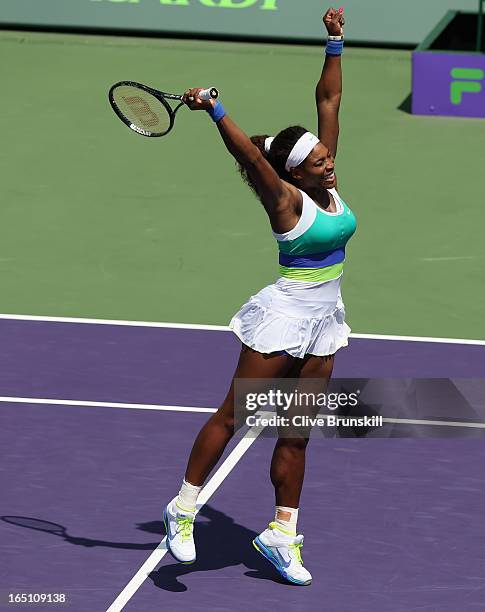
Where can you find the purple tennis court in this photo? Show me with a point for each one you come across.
(94, 445)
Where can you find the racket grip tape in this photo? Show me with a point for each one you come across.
(209, 94)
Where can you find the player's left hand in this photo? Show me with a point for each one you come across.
(334, 21)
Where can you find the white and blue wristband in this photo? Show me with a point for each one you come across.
(217, 112)
(335, 45)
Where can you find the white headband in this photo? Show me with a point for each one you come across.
(301, 150)
(267, 143)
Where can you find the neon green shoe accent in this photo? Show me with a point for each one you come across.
(185, 526)
(296, 548)
(275, 525)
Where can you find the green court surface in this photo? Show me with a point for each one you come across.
(98, 222)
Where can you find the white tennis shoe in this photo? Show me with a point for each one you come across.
(179, 526)
(283, 550)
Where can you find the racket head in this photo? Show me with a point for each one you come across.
(37, 524)
(142, 109)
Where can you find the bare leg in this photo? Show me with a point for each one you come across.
(288, 462)
(219, 429)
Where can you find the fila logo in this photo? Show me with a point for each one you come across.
(465, 80)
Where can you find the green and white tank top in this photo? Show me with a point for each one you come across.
(314, 250)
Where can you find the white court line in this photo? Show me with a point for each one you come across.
(60, 402)
(456, 258)
(441, 423)
(114, 322)
(419, 339)
(89, 404)
(157, 555)
(425, 422)
(14, 317)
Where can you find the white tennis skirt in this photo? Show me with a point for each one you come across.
(300, 318)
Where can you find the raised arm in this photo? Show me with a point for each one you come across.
(329, 87)
(280, 199)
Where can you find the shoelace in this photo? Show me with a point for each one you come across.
(185, 526)
(296, 548)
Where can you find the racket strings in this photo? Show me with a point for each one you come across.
(141, 109)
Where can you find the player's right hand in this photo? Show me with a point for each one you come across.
(192, 100)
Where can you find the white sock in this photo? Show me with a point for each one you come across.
(289, 522)
(187, 497)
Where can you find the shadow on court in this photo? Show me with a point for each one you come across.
(60, 531)
(220, 543)
(405, 105)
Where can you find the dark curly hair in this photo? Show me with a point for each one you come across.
(280, 149)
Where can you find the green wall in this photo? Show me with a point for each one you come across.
(96, 221)
(394, 21)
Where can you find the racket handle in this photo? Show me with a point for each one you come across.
(209, 94)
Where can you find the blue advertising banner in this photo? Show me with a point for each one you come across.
(377, 21)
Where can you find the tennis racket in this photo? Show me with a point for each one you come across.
(146, 110)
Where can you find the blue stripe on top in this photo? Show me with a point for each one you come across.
(318, 260)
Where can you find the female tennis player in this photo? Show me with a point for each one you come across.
(293, 327)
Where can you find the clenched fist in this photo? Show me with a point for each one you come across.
(334, 21)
